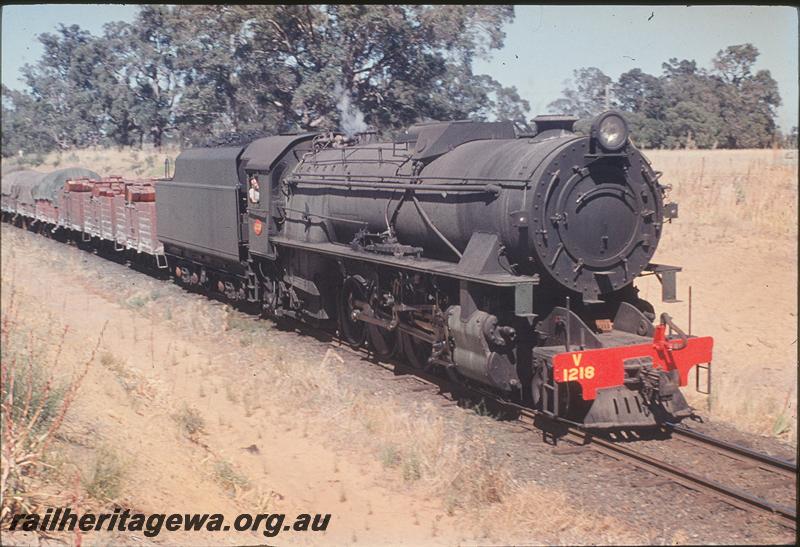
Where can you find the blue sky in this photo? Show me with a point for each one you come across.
(543, 44)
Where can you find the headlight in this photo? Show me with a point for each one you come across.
(610, 130)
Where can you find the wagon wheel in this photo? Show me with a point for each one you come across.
(353, 331)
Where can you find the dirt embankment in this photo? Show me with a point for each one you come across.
(179, 406)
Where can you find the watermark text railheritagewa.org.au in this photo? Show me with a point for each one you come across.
(63, 519)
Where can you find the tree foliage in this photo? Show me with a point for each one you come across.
(194, 73)
(201, 73)
(585, 95)
(726, 106)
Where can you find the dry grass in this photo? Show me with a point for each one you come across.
(126, 162)
(107, 475)
(734, 189)
(415, 444)
(190, 421)
(435, 458)
(737, 241)
(137, 386)
(33, 405)
(231, 480)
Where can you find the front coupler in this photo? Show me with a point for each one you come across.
(619, 378)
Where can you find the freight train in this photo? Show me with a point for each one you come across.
(504, 259)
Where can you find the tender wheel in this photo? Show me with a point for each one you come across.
(353, 331)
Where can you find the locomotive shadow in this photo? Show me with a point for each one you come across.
(554, 430)
(453, 394)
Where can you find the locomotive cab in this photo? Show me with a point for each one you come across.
(267, 162)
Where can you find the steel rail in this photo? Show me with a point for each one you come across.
(728, 494)
(742, 453)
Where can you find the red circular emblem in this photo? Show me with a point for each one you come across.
(257, 227)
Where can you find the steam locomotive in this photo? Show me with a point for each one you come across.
(506, 259)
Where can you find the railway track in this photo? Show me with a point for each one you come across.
(734, 451)
(785, 515)
(732, 495)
